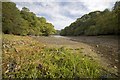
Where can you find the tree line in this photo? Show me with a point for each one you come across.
(95, 23)
(23, 22)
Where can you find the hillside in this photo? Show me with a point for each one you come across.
(23, 22)
(95, 23)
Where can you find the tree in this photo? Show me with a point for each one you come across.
(37, 25)
(96, 23)
(25, 9)
(49, 29)
(24, 22)
(11, 18)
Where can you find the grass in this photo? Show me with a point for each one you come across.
(24, 57)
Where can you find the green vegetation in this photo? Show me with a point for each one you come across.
(24, 57)
(57, 32)
(95, 23)
(23, 22)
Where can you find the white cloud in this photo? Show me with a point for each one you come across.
(61, 23)
(98, 4)
(61, 14)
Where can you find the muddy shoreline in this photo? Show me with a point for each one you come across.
(106, 46)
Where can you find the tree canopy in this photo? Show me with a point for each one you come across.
(95, 23)
(23, 22)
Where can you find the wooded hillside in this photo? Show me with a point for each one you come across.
(23, 22)
(95, 23)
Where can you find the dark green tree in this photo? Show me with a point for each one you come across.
(11, 19)
(96, 23)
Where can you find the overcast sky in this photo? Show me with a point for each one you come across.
(61, 13)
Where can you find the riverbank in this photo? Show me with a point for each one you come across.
(105, 46)
(30, 57)
(100, 48)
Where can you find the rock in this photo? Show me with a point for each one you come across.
(91, 49)
(98, 52)
(116, 60)
(115, 67)
(97, 45)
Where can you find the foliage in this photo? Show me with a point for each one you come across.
(11, 19)
(95, 23)
(57, 32)
(24, 22)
